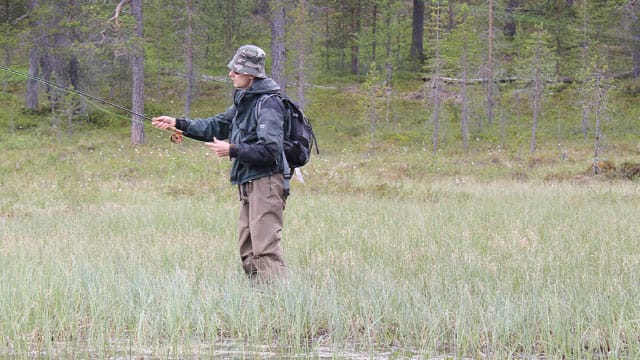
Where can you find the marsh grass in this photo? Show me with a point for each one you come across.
(110, 250)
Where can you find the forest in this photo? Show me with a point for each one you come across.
(475, 195)
(509, 73)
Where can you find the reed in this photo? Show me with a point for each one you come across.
(109, 250)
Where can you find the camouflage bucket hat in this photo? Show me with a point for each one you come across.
(249, 59)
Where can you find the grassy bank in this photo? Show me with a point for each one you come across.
(109, 249)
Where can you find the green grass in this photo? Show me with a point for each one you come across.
(108, 249)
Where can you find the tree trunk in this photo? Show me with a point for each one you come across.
(355, 31)
(464, 117)
(31, 98)
(278, 53)
(634, 15)
(32, 85)
(137, 71)
(537, 93)
(510, 21)
(374, 29)
(327, 32)
(301, 43)
(490, 85)
(417, 26)
(188, 96)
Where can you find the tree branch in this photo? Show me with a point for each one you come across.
(116, 16)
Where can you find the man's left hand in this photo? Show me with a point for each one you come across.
(220, 147)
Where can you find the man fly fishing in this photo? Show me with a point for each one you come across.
(254, 141)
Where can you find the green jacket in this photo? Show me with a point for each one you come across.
(256, 138)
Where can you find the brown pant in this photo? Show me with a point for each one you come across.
(259, 227)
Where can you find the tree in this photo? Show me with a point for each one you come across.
(461, 57)
(189, 59)
(417, 26)
(368, 102)
(11, 16)
(600, 85)
(301, 47)
(537, 68)
(490, 67)
(356, 23)
(632, 15)
(278, 54)
(137, 68)
(510, 21)
(435, 86)
(34, 56)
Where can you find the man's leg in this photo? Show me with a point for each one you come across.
(244, 234)
(264, 212)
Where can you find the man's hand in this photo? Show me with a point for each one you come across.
(164, 122)
(220, 147)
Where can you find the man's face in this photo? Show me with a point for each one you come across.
(241, 81)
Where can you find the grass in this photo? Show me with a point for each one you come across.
(110, 250)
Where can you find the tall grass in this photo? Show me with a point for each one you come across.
(108, 249)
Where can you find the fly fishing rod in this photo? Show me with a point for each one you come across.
(176, 137)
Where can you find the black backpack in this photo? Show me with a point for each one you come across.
(299, 138)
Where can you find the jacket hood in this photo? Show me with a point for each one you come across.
(263, 86)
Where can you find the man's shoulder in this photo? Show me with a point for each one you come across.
(266, 85)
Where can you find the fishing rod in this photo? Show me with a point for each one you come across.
(176, 137)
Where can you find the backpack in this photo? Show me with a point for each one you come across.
(299, 138)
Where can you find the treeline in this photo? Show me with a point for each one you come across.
(120, 49)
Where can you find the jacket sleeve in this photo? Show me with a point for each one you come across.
(217, 126)
(270, 135)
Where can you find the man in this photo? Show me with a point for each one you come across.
(254, 141)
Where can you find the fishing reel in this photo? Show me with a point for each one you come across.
(177, 137)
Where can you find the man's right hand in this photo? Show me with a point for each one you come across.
(164, 122)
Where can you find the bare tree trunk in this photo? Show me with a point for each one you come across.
(327, 32)
(537, 92)
(437, 82)
(374, 29)
(585, 64)
(355, 31)
(32, 85)
(417, 34)
(534, 125)
(34, 62)
(188, 98)
(464, 117)
(137, 71)
(633, 12)
(278, 56)
(490, 85)
(599, 98)
(300, 42)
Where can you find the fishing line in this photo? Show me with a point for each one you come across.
(175, 137)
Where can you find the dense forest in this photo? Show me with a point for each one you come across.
(491, 70)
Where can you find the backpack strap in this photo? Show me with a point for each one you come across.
(287, 170)
(287, 176)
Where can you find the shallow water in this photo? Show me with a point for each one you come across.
(228, 349)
